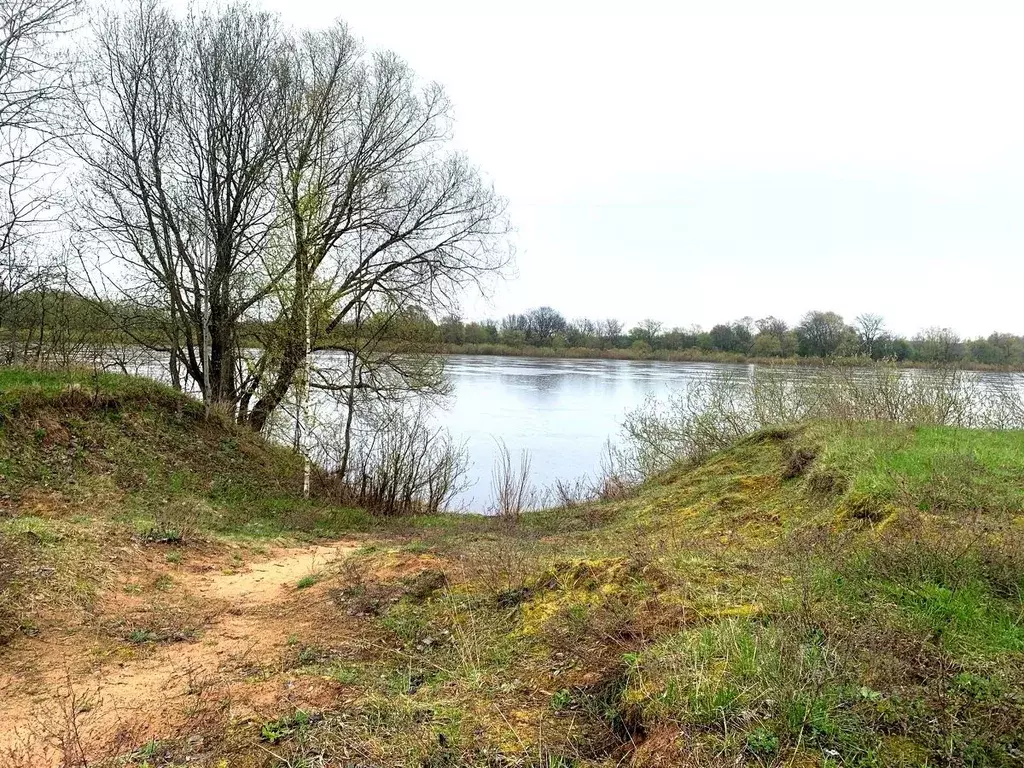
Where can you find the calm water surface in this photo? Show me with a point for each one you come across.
(561, 411)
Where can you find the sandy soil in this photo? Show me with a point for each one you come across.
(83, 685)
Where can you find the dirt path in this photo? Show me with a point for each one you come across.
(262, 582)
(135, 693)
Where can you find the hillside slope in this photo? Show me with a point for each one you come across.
(824, 595)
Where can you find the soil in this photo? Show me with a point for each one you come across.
(88, 684)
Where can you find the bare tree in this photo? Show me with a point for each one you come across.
(772, 326)
(939, 344)
(583, 332)
(32, 80)
(183, 123)
(265, 190)
(611, 328)
(382, 215)
(870, 330)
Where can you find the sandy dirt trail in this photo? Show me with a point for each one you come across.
(235, 659)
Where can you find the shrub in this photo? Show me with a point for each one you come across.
(404, 465)
(513, 493)
(175, 523)
(716, 410)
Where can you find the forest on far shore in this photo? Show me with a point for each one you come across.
(819, 334)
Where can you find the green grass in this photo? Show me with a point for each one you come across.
(169, 468)
(51, 381)
(862, 607)
(307, 581)
(933, 468)
(29, 387)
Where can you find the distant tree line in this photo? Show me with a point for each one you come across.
(818, 334)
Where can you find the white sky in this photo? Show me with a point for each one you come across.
(700, 161)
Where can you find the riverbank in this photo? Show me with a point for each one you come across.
(818, 595)
(683, 356)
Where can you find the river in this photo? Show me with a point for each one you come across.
(562, 411)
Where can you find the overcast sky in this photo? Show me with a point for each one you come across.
(700, 161)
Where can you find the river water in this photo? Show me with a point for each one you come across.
(562, 411)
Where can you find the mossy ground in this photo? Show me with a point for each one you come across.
(823, 595)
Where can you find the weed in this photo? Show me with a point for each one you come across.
(762, 742)
(275, 731)
(140, 636)
(307, 581)
(164, 582)
(561, 700)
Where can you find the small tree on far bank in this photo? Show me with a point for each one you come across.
(820, 334)
(870, 330)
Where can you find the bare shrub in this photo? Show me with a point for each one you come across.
(176, 523)
(73, 729)
(570, 494)
(710, 414)
(405, 465)
(513, 493)
(506, 570)
(714, 410)
(1006, 403)
(884, 392)
(613, 482)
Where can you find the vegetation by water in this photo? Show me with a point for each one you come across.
(53, 326)
(829, 593)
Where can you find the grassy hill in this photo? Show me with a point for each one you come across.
(827, 595)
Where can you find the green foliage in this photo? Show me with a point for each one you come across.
(307, 581)
(561, 699)
(285, 727)
(762, 742)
